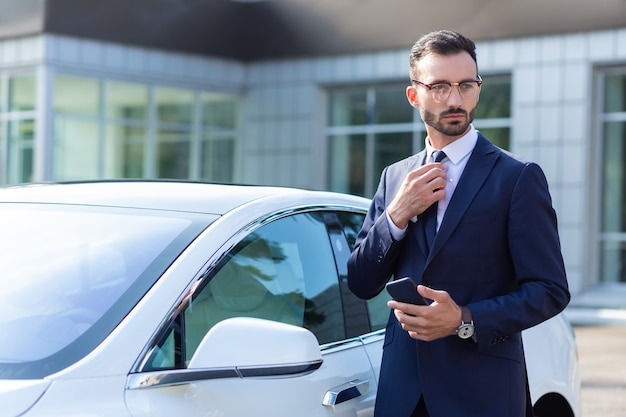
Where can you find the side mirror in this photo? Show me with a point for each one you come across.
(257, 347)
(238, 348)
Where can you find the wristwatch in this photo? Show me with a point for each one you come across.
(466, 329)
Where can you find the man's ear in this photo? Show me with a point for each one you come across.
(411, 95)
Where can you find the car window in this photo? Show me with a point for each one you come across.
(71, 273)
(283, 271)
(377, 309)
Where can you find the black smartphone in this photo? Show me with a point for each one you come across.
(405, 291)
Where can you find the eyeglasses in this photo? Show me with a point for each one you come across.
(441, 91)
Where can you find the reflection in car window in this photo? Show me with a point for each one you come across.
(376, 307)
(71, 273)
(283, 271)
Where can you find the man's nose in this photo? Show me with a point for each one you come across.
(455, 96)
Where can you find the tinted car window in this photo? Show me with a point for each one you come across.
(283, 271)
(377, 309)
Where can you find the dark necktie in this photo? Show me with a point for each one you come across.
(430, 215)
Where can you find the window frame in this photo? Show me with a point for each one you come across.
(372, 132)
(600, 261)
(353, 330)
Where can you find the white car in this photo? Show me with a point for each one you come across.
(140, 298)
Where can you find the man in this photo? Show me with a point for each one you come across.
(494, 268)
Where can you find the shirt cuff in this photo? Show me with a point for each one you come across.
(396, 232)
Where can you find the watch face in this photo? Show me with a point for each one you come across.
(465, 331)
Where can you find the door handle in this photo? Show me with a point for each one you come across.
(345, 392)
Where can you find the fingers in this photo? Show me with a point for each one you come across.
(427, 323)
(437, 296)
(420, 189)
(426, 174)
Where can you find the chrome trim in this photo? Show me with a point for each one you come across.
(345, 392)
(186, 376)
(372, 337)
(340, 345)
(364, 339)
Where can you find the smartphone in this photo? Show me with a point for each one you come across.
(405, 291)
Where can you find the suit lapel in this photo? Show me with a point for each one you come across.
(476, 171)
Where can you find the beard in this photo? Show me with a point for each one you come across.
(452, 129)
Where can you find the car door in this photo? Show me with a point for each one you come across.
(281, 271)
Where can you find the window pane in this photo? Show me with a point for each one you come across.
(217, 158)
(124, 151)
(615, 93)
(499, 136)
(75, 149)
(613, 255)
(84, 270)
(174, 105)
(352, 223)
(76, 95)
(20, 160)
(495, 98)
(613, 222)
(614, 184)
(389, 148)
(347, 164)
(348, 108)
(22, 93)
(219, 111)
(378, 312)
(173, 148)
(273, 274)
(392, 106)
(127, 101)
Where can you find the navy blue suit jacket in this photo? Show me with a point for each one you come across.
(497, 251)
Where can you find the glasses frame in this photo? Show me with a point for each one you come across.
(429, 87)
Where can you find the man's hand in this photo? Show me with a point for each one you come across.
(439, 319)
(420, 189)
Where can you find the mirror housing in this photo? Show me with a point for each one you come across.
(250, 342)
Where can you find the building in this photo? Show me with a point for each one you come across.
(311, 94)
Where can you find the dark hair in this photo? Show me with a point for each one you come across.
(441, 42)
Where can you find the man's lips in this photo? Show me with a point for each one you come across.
(455, 116)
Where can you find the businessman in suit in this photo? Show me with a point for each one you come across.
(490, 265)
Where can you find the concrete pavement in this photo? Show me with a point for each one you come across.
(602, 360)
(599, 319)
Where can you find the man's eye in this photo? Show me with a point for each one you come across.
(467, 86)
(440, 87)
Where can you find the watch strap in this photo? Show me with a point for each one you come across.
(466, 315)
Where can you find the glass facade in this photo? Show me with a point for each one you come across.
(76, 109)
(219, 115)
(126, 140)
(370, 127)
(17, 126)
(613, 157)
(108, 129)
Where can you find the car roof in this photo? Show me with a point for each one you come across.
(166, 195)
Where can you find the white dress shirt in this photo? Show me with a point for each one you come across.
(457, 155)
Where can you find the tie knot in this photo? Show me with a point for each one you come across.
(438, 156)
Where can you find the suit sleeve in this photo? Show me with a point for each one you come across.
(541, 284)
(373, 259)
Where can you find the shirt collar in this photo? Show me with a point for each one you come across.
(458, 149)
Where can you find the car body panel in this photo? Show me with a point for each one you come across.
(553, 361)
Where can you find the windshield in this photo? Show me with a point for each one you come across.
(70, 274)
